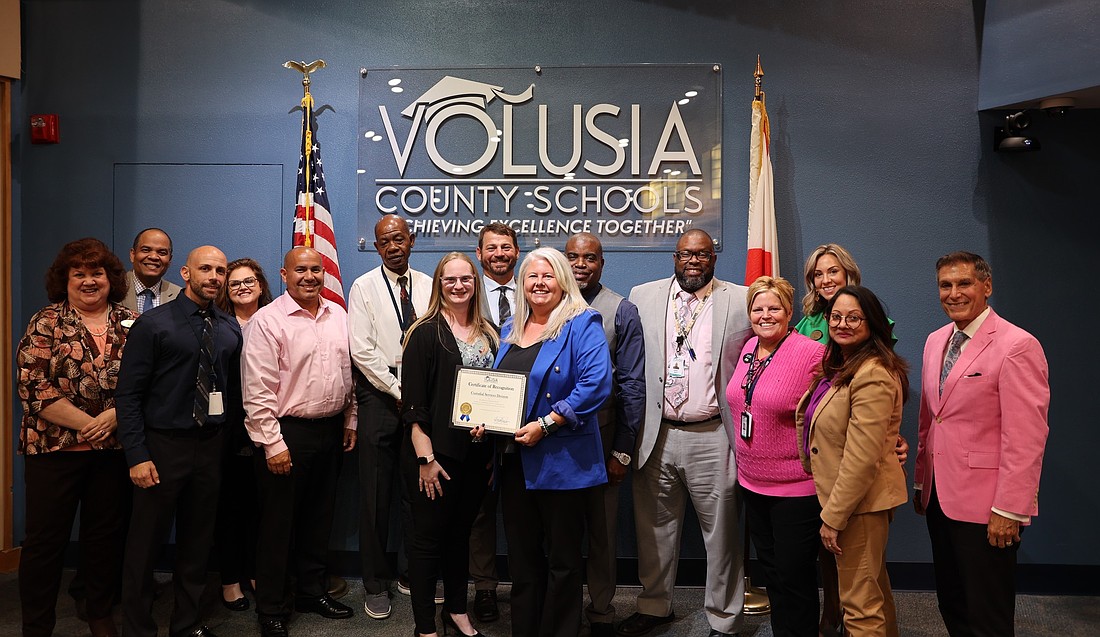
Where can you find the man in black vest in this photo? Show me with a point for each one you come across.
(619, 420)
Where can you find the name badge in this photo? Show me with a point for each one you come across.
(677, 367)
(746, 425)
(217, 407)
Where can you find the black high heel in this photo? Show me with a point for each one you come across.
(449, 622)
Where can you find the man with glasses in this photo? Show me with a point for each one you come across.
(382, 304)
(150, 255)
(498, 252)
(694, 327)
(619, 420)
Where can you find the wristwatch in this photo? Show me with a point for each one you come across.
(425, 459)
(623, 458)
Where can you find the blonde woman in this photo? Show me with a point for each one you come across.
(556, 338)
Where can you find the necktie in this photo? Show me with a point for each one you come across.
(952, 356)
(204, 381)
(144, 300)
(504, 308)
(677, 388)
(408, 314)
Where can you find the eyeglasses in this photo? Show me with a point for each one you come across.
(685, 255)
(852, 321)
(450, 281)
(250, 282)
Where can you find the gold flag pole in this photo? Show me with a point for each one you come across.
(307, 152)
(756, 598)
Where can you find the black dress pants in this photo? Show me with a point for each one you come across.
(380, 433)
(189, 465)
(785, 532)
(975, 582)
(56, 483)
(544, 530)
(296, 514)
(438, 539)
(236, 531)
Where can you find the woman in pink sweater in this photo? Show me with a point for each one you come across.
(782, 510)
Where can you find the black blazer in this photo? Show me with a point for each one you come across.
(428, 373)
(156, 381)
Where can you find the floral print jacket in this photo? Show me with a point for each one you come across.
(57, 358)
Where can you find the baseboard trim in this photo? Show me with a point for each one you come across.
(9, 560)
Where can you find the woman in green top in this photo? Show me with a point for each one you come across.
(828, 268)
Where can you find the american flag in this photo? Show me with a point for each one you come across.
(312, 220)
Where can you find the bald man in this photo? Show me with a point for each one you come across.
(179, 377)
(382, 304)
(300, 400)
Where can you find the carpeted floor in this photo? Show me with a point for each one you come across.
(1036, 616)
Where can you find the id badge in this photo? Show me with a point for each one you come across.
(216, 407)
(677, 367)
(746, 425)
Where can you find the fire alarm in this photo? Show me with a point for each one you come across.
(44, 129)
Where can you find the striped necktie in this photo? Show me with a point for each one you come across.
(204, 382)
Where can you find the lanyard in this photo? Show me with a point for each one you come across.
(393, 299)
(682, 330)
(751, 377)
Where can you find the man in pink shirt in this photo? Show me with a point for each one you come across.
(299, 399)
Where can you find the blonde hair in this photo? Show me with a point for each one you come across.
(479, 325)
(571, 304)
(812, 303)
(780, 287)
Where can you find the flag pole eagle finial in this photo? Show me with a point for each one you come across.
(305, 69)
(307, 139)
(759, 75)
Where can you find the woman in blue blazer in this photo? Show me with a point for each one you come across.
(557, 454)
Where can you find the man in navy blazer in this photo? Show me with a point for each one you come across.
(694, 327)
(171, 403)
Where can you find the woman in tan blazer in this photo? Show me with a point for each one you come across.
(854, 413)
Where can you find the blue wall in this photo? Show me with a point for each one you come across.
(877, 142)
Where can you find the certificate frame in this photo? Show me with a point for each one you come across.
(490, 398)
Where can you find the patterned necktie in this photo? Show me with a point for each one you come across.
(408, 314)
(204, 381)
(144, 300)
(676, 388)
(952, 356)
(504, 308)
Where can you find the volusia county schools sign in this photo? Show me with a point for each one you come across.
(631, 153)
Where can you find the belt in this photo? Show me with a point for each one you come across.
(684, 423)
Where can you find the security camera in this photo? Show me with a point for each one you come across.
(1056, 106)
(1008, 139)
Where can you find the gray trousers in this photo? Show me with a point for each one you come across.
(696, 463)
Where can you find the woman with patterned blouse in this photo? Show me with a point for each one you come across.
(68, 366)
(445, 471)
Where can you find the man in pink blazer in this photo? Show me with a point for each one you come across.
(983, 430)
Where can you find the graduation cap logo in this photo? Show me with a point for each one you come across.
(455, 90)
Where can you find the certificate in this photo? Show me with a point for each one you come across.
(489, 398)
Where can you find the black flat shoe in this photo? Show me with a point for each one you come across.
(485, 606)
(449, 622)
(237, 604)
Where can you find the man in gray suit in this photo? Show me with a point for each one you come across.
(150, 255)
(694, 327)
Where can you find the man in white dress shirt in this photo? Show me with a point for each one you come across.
(382, 304)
